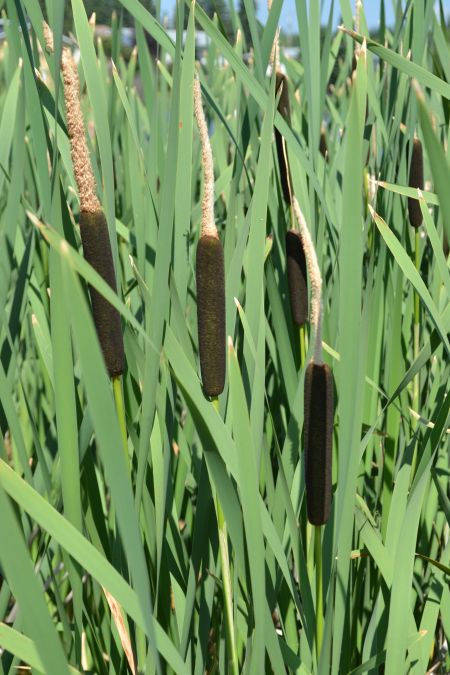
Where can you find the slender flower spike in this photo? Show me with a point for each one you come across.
(318, 397)
(210, 273)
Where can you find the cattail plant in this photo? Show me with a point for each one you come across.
(93, 226)
(317, 423)
(295, 256)
(210, 277)
(318, 398)
(94, 235)
(210, 273)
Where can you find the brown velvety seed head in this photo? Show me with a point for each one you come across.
(297, 279)
(285, 111)
(323, 147)
(97, 251)
(416, 181)
(210, 273)
(317, 439)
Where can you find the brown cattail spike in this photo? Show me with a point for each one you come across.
(323, 146)
(97, 251)
(318, 437)
(210, 274)
(416, 181)
(285, 111)
(297, 279)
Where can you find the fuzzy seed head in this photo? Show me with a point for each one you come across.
(416, 181)
(97, 251)
(210, 277)
(323, 146)
(317, 439)
(297, 279)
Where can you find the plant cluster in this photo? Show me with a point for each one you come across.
(225, 346)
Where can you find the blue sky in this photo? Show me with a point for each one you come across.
(289, 18)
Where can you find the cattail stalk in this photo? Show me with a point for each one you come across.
(210, 276)
(94, 233)
(93, 226)
(318, 421)
(210, 273)
(295, 256)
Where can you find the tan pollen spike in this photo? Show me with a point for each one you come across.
(315, 279)
(208, 226)
(48, 37)
(84, 176)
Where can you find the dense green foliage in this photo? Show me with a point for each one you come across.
(89, 533)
